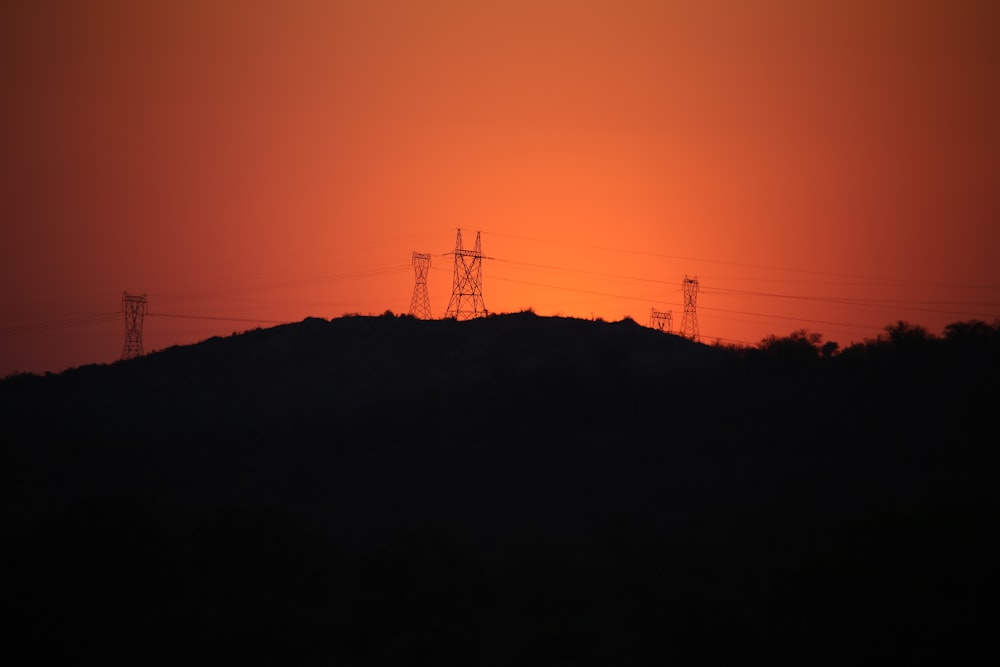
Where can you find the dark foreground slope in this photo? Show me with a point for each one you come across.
(512, 490)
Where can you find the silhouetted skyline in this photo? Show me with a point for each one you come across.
(821, 165)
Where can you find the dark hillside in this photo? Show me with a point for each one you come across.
(509, 490)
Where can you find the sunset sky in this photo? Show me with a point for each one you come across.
(833, 166)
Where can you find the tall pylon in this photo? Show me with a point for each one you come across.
(134, 308)
(661, 320)
(467, 291)
(689, 321)
(420, 304)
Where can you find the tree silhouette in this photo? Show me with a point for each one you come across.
(905, 335)
(800, 349)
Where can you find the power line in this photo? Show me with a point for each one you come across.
(570, 289)
(216, 317)
(704, 308)
(864, 303)
(39, 327)
(271, 280)
(268, 285)
(87, 320)
(584, 271)
(866, 279)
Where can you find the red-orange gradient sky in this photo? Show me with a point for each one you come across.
(833, 166)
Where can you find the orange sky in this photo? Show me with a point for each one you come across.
(833, 166)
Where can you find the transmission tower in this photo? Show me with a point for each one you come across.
(134, 308)
(689, 322)
(420, 304)
(467, 292)
(661, 320)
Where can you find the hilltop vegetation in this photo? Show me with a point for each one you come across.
(510, 490)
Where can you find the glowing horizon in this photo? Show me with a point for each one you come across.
(829, 166)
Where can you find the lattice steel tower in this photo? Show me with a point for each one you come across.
(689, 321)
(134, 308)
(661, 320)
(467, 292)
(420, 304)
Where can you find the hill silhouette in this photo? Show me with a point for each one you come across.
(512, 489)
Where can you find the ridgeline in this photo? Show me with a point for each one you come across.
(509, 490)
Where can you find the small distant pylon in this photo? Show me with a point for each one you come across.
(661, 320)
(689, 321)
(467, 292)
(134, 308)
(420, 304)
